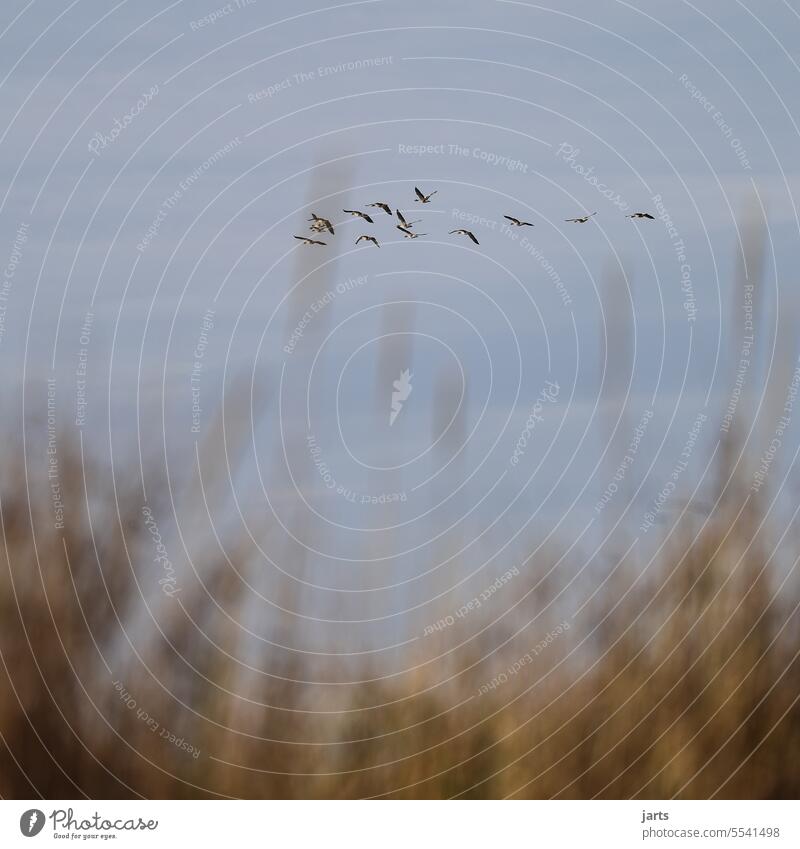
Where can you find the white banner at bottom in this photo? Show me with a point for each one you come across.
(390, 824)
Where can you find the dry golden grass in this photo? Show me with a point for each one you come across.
(687, 687)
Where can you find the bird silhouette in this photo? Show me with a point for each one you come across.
(357, 213)
(463, 232)
(421, 198)
(517, 223)
(408, 234)
(306, 241)
(321, 223)
(384, 206)
(406, 224)
(641, 215)
(369, 239)
(581, 220)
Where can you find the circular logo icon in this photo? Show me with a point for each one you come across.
(31, 822)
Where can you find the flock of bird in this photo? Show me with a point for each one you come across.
(321, 225)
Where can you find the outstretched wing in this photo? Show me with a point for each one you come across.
(419, 193)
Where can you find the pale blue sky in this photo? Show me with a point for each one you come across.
(696, 103)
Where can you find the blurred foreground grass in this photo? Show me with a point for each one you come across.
(687, 684)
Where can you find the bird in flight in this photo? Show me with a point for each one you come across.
(407, 224)
(408, 234)
(463, 232)
(320, 224)
(581, 220)
(517, 223)
(359, 214)
(384, 206)
(641, 215)
(421, 198)
(369, 239)
(306, 241)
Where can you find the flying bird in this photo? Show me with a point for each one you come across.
(408, 234)
(321, 223)
(517, 223)
(581, 220)
(369, 239)
(306, 241)
(407, 224)
(641, 215)
(465, 233)
(421, 198)
(384, 206)
(359, 214)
